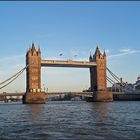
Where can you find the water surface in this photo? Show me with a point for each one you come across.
(70, 120)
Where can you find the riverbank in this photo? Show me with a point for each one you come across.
(126, 97)
(121, 97)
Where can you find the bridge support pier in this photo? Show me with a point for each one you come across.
(101, 96)
(34, 98)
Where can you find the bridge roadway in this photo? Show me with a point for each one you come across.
(68, 63)
(50, 94)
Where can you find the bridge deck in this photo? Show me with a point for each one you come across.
(68, 63)
(86, 94)
(49, 94)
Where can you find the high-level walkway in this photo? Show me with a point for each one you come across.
(68, 63)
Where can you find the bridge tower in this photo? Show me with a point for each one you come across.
(33, 77)
(98, 82)
(98, 73)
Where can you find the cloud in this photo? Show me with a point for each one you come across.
(124, 52)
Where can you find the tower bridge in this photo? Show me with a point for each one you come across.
(96, 65)
(34, 62)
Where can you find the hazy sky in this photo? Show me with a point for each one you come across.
(69, 28)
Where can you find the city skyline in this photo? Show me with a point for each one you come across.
(69, 30)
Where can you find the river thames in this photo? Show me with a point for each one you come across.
(70, 120)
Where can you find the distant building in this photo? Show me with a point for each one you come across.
(137, 84)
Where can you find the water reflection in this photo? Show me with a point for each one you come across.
(70, 120)
(37, 116)
(34, 112)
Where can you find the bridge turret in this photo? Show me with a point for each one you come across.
(33, 79)
(98, 73)
(33, 60)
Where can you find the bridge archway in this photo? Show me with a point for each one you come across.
(64, 79)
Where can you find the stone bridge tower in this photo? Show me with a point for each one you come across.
(98, 73)
(33, 60)
(33, 77)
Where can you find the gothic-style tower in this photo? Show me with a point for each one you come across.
(33, 60)
(98, 73)
(33, 77)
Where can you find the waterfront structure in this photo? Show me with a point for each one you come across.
(96, 64)
(137, 84)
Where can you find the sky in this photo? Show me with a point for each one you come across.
(74, 29)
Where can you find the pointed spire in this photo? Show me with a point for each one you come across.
(94, 57)
(97, 48)
(97, 52)
(39, 48)
(90, 58)
(38, 52)
(34, 53)
(33, 46)
(104, 55)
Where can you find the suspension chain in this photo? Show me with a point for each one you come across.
(12, 78)
(115, 77)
